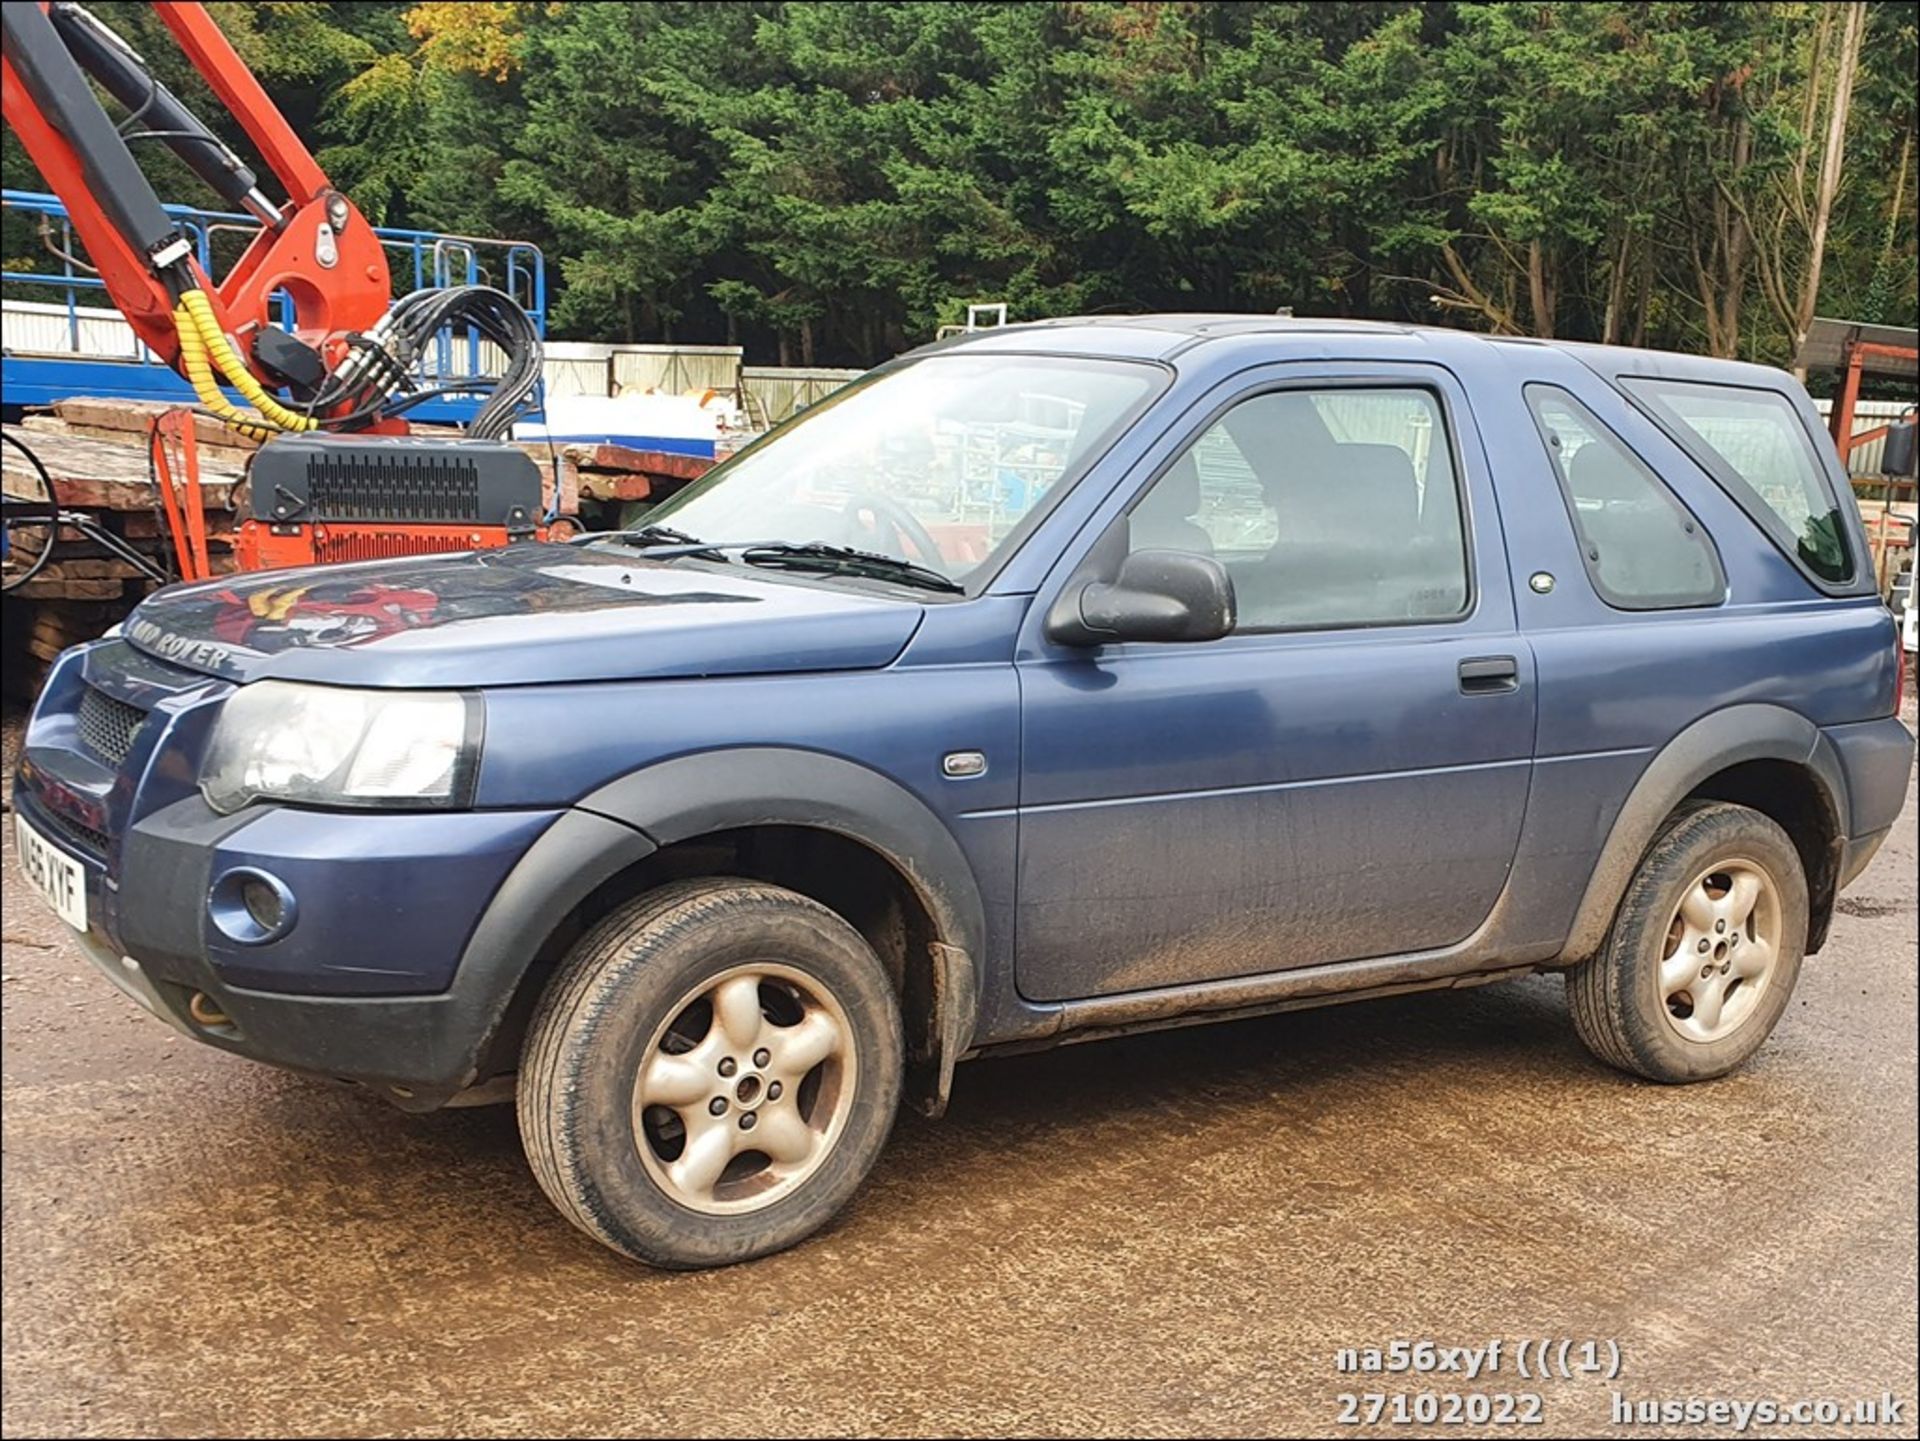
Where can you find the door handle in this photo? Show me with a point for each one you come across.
(1489, 675)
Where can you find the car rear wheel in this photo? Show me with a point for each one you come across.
(1703, 952)
(711, 1073)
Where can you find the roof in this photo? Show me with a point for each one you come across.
(1826, 343)
(1227, 323)
(1155, 337)
(1163, 337)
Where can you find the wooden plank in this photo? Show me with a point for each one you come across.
(569, 503)
(233, 455)
(83, 568)
(77, 619)
(89, 472)
(610, 472)
(134, 417)
(54, 588)
(136, 526)
(641, 462)
(600, 485)
(125, 495)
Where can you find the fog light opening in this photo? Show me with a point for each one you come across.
(251, 907)
(263, 904)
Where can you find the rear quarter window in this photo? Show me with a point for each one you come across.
(1642, 548)
(1753, 444)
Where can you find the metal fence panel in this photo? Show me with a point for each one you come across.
(774, 393)
(676, 369)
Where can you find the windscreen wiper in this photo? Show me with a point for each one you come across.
(652, 537)
(843, 560)
(664, 543)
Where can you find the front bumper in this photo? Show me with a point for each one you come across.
(360, 988)
(360, 985)
(412, 1050)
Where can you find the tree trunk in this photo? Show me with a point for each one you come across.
(1617, 282)
(1643, 295)
(1830, 165)
(1739, 240)
(1540, 289)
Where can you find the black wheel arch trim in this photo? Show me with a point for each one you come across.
(742, 786)
(1716, 741)
(572, 859)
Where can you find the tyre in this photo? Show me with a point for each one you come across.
(711, 1073)
(1703, 952)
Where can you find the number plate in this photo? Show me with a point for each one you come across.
(54, 873)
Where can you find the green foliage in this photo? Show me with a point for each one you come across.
(830, 182)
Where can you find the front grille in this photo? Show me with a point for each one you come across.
(93, 842)
(405, 486)
(108, 726)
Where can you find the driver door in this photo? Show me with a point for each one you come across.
(1343, 776)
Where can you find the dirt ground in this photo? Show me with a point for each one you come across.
(1170, 1234)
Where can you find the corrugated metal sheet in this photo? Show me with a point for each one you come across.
(1867, 415)
(676, 369)
(775, 393)
(1826, 346)
(577, 368)
(46, 328)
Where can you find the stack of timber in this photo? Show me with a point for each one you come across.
(97, 463)
(95, 452)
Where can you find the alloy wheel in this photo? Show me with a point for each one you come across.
(1722, 945)
(744, 1090)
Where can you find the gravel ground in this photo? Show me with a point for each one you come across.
(1169, 1234)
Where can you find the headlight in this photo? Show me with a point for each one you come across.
(327, 746)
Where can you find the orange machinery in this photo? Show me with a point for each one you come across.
(339, 382)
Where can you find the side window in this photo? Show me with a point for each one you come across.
(1642, 548)
(1333, 507)
(1752, 442)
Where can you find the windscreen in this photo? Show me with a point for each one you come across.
(939, 462)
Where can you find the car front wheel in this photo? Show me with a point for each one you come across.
(711, 1073)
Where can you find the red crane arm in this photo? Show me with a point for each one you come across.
(130, 281)
(319, 248)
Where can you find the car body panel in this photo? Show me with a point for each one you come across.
(526, 614)
(1269, 801)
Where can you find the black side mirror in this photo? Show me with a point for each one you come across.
(1159, 595)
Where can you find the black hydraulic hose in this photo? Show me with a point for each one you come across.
(53, 517)
(60, 91)
(50, 520)
(124, 75)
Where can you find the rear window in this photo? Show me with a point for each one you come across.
(1752, 442)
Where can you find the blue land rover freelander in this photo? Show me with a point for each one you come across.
(1044, 683)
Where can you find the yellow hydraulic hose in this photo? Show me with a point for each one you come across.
(199, 371)
(203, 347)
